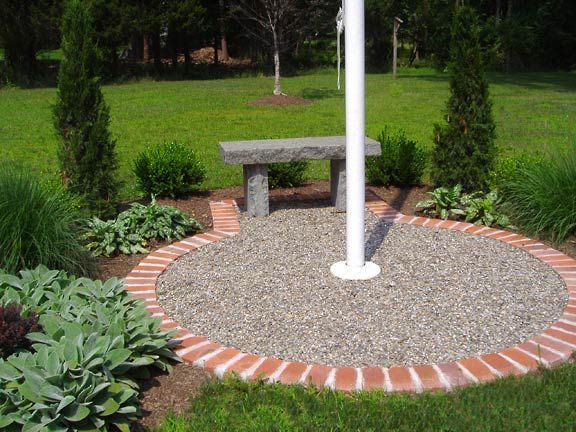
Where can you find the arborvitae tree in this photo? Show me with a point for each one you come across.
(465, 149)
(87, 151)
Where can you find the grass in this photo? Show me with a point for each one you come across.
(534, 112)
(544, 402)
(39, 224)
(532, 206)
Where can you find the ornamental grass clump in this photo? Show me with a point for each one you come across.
(39, 224)
(541, 199)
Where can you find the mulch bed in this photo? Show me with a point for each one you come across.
(163, 393)
(281, 101)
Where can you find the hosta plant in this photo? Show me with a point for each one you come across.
(445, 203)
(482, 209)
(67, 385)
(108, 238)
(100, 308)
(477, 208)
(134, 228)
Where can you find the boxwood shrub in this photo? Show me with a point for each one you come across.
(169, 169)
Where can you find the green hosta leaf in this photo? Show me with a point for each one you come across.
(123, 427)
(109, 407)
(8, 372)
(66, 401)
(116, 357)
(33, 426)
(7, 420)
(76, 412)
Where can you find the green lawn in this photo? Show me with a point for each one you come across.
(534, 112)
(546, 402)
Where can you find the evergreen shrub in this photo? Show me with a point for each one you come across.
(169, 169)
(464, 151)
(401, 163)
(39, 224)
(287, 174)
(81, 116)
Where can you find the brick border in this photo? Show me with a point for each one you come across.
(552, 347)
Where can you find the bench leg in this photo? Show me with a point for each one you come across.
(338, 183)
(256, 190)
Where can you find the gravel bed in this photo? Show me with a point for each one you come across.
(442, 295)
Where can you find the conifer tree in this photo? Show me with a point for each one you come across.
(87, 151)
(465, 150)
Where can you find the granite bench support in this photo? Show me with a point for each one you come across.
(256, 155)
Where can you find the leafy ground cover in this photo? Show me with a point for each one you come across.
(534, 112)
(544, 402)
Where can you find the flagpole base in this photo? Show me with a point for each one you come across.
(343, 271)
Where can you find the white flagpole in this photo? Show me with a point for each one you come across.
(355, 266)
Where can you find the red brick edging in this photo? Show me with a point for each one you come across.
(553, 346)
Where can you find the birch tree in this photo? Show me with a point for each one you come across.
(274, 23)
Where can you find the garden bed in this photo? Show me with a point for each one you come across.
(402, 199)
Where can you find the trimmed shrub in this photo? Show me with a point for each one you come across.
(464, 150)
(130, 232)
(39, 224)
(14, 327)
(541, 199)
(287, 174)
(81, 117)
(401, 163)
(169, 169)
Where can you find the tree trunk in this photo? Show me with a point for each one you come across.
(498, 9)
(216, 48)
(508, 48)
(157, 51)
(146, 49)
(222, 28)
(186, 47)
(277, 85)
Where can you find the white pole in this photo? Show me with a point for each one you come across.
(355, 266)
(355, 132)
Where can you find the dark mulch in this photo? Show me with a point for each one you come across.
(172, 393)
(282, 100)
(164, 394)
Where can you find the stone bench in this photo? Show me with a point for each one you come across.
(255, 155)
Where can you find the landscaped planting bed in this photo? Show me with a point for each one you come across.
(551, 347)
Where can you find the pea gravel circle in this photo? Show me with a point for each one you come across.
(442, 295)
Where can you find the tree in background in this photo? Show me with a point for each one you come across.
(273, 23)
(81, 117)
(24, 30)
(465, 150)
